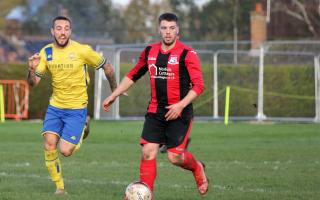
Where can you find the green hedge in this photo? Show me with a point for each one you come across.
(288, 91)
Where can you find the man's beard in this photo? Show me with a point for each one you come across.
(168, 43)
(61, 45)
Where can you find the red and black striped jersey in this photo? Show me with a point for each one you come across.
(172, 74)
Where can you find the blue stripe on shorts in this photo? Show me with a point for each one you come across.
(68, 123)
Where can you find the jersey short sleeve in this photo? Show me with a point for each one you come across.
(93, 58)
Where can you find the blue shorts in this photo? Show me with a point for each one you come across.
(68, 124)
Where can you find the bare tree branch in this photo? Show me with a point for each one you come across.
(281, 7)
(305, 16)
(319, 8)
(300, 13)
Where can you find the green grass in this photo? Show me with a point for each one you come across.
(244, 161)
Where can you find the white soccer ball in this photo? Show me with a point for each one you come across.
(138, 191)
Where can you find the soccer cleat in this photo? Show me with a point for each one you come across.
(87, 128)
(201, 178)
(163, 149)
(60, 192)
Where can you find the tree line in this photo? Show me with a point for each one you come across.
(137, 22)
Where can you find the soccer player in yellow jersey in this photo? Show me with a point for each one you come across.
(67, 61)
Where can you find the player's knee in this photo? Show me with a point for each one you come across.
(66, 152)
(149, 155)
(149, 152)
(175, 159)
(50, 141)
(49, 146)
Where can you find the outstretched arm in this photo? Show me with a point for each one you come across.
(125, 84)
(33, 62)
(109, 72)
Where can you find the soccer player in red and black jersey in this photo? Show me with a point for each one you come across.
(176, 80)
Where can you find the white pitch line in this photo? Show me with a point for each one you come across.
(125, 183)
(209, 165)
(24, 164)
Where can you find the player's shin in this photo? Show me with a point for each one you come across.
(148, 172)
(53, 164)
(189, 162)
(198, 171)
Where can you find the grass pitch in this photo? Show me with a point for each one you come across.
(244, 161)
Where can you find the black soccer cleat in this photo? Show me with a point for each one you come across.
(163, 149)
(87, 128)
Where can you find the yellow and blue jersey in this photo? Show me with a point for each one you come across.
(68, 67)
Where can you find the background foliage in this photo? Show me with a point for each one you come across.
(137, 22)
(297, 82)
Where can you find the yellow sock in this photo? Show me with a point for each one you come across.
(54, 167)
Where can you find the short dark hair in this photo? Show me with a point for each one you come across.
(168, 17)
(60, 18)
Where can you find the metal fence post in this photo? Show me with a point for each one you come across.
(97, 94)
(101, 84)
(215, 86)
(117, 74)
(317, 87)
(260, 114)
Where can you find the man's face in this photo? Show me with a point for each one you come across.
(61, 32)
(169, 31)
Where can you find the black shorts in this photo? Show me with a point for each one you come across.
(171, 133)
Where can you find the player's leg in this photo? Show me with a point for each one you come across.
(148, 164)
(189, 162)
(85, 133)
(66, 148)
(74, 124)
(152, 136)
(177, 136)
(52, 160)
(52, 126)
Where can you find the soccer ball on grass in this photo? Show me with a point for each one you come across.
(138, 191)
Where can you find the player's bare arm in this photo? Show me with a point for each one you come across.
(33, 62)
(174, 110)
(109, 72)
(125, 84)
